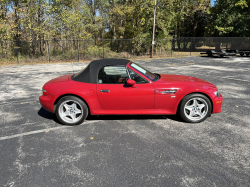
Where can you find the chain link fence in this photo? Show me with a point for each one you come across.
(48, 51)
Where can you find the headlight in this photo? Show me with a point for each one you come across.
(217, 94)
(45, 92)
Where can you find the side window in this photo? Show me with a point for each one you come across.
(137, 78)
(112, 75)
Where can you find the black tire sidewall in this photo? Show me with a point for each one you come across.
(78, 100)
(187, 98)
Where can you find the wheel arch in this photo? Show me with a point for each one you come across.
(202, 93)
(61, 96)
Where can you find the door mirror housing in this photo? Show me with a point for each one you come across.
(130, 82)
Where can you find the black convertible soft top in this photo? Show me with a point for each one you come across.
(90, 73)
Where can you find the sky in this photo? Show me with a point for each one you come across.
(212, 2)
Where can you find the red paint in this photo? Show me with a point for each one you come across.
(131, 98)
(91, 92)
(124, 97)
(130, 82)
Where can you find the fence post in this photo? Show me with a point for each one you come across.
(17, 54)
(103, 48)
(209, 43)
(78, 50)
(127, 48)
(3, 47)
(171, 46)
(191, 46)
(2, 50)
(227, 43)
(48, 50)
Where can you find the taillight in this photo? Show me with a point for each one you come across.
(45, 92)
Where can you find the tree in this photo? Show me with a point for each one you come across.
(230, 18)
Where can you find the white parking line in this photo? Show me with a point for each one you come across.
(42, 130)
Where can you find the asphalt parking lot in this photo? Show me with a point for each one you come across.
(36, 150)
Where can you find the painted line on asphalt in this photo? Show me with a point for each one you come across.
(43, 130)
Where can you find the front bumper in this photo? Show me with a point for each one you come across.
(47, 102)
(217, 103)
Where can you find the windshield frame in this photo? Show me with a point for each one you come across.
(146, 74)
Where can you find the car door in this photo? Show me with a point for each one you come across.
(114, 94)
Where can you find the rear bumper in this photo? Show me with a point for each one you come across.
(47, 102)
(217, 103)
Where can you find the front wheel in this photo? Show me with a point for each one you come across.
(71, 110)
(195, 108)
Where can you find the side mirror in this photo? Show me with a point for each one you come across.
(130, 82)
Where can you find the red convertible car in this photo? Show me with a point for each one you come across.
(122, 87)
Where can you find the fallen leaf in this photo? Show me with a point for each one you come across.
(91, 138)
(47, 130)
(236, 106)
(165, 129)
(22, 103)
(21, 92)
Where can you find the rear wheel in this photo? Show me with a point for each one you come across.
(241, 54)
(71, 110)
(195, 108)
(247, 54)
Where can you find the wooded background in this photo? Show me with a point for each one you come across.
(121, 19)
(69, 29)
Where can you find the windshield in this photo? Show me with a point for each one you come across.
(153, 77)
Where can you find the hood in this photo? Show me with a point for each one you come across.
(181, 78)
(63, 78)
(168, 78)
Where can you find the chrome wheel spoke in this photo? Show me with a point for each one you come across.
(201, 106)
(66, 113)
(199, 113)
(77, 111)
(190, 108)
(192, 113)
(73, 106)
(66, 106)
(73, 116)
(195, 104)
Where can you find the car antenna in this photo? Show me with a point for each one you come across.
(72, 67)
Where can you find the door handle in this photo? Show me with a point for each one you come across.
(104, 90)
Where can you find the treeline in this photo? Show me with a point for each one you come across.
(32, 20)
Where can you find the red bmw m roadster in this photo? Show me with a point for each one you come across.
(122, 87)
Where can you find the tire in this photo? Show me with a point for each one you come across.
(241, 54)
(247, 54)
(71, 110)
(195, 112)
(221, 56)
